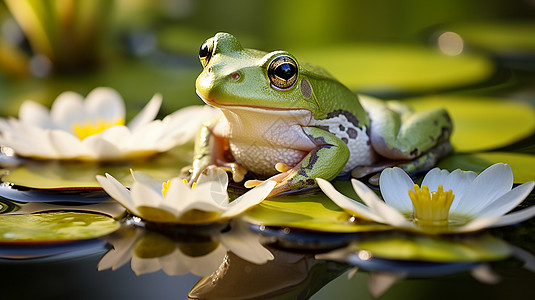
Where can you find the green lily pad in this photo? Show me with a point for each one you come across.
(482, 123)
(398, 67)
(311, 212)
(502, 37)
(436, 249)
(523, 164)
(54, 227)
(82, 175)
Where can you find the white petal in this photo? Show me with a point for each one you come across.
(117, 191)
(118, 135)
(174, 263)
(458, 181)
(36, 141)
(185, 123)
(121, 252)
(68, 109)
(183, 198)
(149, 137)
(492, 183)
(179, 197)
(379, 283)
(67, 145)
(148, 180)
(147, 114)
(35, 114)
(516, 217)
(142, 266)
(214, 181)
(478, 224)
(434, 178)
(349, 205)
(144, 195)
(105, 103)
(484, 274)
(387, 213)
(245, 244)
(507, 202)
(101, 148)
(207, 264)
(395, 185)
(249, 199)
(16, 136)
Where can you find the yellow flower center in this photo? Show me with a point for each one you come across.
(90, 128)
(431, 208)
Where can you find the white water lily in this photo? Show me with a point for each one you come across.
(94, 128)
(150, 251)
(460, 201)
(175, 201)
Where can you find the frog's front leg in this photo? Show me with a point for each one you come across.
(212, 149)
(326, 161)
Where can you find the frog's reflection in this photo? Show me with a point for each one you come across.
(201, 253)
(289, 275)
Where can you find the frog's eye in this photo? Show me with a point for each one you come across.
(282, 72)
(205, 52)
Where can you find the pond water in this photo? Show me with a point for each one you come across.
(232, 261)
(74, 242)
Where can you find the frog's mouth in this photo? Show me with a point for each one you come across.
(303, 115)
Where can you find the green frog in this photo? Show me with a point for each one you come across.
(290, 121)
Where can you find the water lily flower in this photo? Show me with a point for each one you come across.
(150, 251)
(175, 201)
(94, 128)
(460, 201)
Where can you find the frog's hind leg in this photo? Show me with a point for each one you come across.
(411, 140)
(400, 134)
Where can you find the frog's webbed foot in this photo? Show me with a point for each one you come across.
(283, 179)
(238, 171)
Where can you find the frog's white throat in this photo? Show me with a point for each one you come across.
(259, 138)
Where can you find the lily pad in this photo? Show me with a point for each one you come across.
(82, 175)
(311, 212)
(482, 123)
(435, 249)
(54, 227)
(523, 164)
(505, 38)
(398, 67)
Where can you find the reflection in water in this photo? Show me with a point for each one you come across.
(288, 276)
(426, 257)
(182, 252)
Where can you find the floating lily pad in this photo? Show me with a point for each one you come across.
(52, 252)
(523, 164)
(395, 67)
(435, 249)
(54, 227)
(512, 40)
(39, 195)
(311, 212)
(82, 175)
(482, 123)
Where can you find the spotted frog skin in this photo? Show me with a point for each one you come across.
(290, 121)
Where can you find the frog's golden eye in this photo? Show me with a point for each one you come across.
(282, 72)
(205, 52)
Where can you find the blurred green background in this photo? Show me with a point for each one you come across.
(388, 48)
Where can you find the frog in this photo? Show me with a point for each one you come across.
(292, 122)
